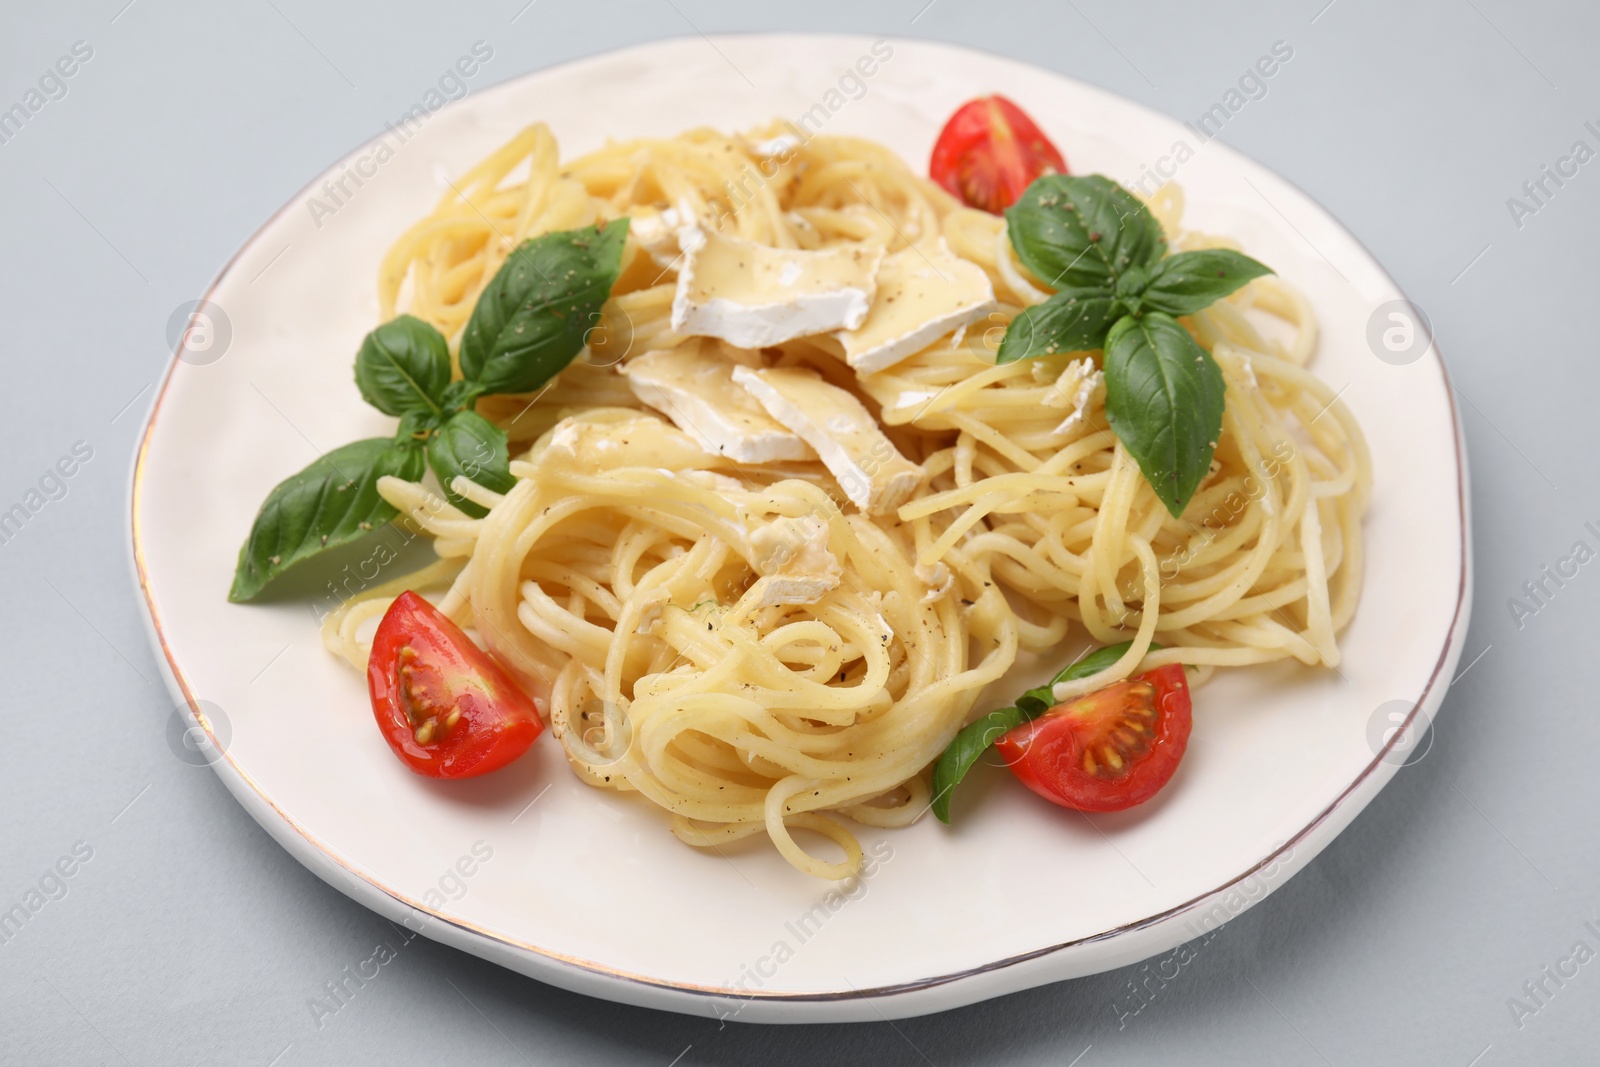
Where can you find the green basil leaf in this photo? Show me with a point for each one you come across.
(974, 739)
(967, 748)
(1072, 320)
(531, 320)
(1164, 398)
(470, 445)
(1082, 232)
(332, 502)
(403, 366)
(1184, 283)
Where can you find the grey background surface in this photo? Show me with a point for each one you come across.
(189, 937)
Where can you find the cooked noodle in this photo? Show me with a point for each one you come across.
(633, 579)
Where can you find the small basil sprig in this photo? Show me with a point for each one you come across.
(975, 738)
(528, 325)
(1117, 289)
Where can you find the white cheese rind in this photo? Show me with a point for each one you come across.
(657, 234)
(695, 389)
(865, 463)
(924, 292)
(752, 295)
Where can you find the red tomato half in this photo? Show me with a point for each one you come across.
(444, 705)
(1109, 750)
(990, 151)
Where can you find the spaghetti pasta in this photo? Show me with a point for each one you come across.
(739, 644)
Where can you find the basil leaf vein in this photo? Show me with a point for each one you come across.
(403, 366)
(334, 501)
(470, 445)
(531, 320)
(1164, 400)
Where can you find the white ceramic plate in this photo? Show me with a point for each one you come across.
(588, 890)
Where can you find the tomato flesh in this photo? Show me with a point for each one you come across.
(447, 709)
(990, 151)
(1109, 750)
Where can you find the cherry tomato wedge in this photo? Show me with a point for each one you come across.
(989, 152)
(1109, 750)
(444, 705)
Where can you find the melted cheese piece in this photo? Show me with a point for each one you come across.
(695, 389)
(867, 466)
(794, 561)
(924, 292)
(608, 438)
(752, 295)
(1082, 385)
(939, 579)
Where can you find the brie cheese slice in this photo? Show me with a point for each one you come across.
(924, 292)
(752, 295)
(865, 463)
(695, 389)
(792, 556)
(612, 438)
